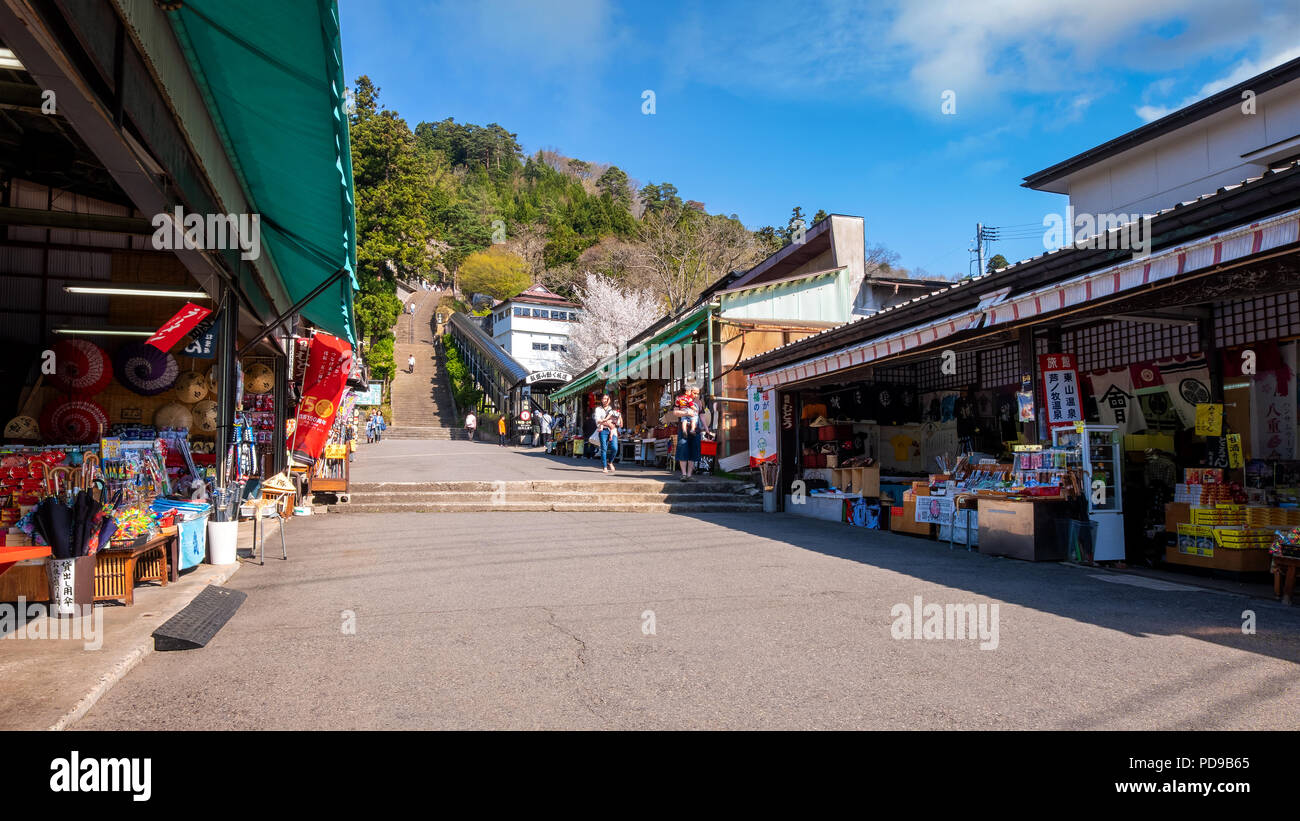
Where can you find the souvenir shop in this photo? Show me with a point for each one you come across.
(649, 433)
(113, 453)
(1153, 427)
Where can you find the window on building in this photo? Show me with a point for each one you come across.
(559, 347)
(521, 312)
(539, 346)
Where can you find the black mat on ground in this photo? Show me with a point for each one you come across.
(200, 620)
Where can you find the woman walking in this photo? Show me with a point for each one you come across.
(608, 420)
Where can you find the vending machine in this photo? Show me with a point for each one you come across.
(1102, 450)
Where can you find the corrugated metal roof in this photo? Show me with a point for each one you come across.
(471, 332)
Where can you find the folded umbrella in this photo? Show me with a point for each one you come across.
(106, 531)
(55, 522)
(85, 512)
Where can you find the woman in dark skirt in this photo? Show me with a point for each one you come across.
(688, 449)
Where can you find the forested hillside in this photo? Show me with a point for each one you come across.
(460, 202)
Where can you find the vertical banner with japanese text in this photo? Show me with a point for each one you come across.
(1060, 389)
(762, 434)
(329, 361)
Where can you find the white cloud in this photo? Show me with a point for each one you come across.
(911, 51)
(1242, 71)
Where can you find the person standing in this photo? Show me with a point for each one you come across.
(546, 428)
(688, 445)
(349, 434)
(370, 430)
(607, 418)
(471, 426)
(410, 364)
(381, 425)
(501, 430)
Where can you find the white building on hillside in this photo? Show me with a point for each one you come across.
(533, 327)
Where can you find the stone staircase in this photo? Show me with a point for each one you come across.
(611, 496)
(421, 401)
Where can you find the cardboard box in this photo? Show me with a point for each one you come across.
(1237, 561)
(1177, 513)
(906, 522)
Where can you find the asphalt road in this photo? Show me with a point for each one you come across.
(521, 620)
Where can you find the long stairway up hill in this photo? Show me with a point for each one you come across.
(421, 401)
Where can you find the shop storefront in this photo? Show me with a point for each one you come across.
(150, 392)
(1139, 410)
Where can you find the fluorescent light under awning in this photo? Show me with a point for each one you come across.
(114, 290)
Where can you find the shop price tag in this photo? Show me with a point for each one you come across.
(1209, 419)
(1235, 459)
(1078, 427)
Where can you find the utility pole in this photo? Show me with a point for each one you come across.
(979, 246)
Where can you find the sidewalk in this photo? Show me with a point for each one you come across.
(434, 460)
(50, 683)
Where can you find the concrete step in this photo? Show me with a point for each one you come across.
(736, 506)
(596, 485)
(407, 432)
(539, 497)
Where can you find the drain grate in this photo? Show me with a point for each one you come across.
(200, 620)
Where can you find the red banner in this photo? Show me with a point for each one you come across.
(178, 326)
(328, 364)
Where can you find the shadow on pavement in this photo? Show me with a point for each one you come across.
(1087, 595)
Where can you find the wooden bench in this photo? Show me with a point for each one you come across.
(117, 569)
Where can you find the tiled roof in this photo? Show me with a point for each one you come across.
(983, 283)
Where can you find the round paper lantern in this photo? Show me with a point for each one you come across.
(146, 370)
(258, 378)
(73, 421)
(174, 415)
(80, 367)
(214, 384)
(191, 387)
(22, 427)
(205, 417)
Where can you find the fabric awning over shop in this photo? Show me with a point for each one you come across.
(1205, 252)
(272, 74)
(618, 366)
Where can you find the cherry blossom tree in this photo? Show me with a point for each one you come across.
(611, 315)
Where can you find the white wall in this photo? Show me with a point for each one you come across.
(516, 335)
(1190, 162)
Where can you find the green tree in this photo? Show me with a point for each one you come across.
(995, 262)
(613, 184)
(820, 215)
(393, 199)
(495, 272)
(791, 226)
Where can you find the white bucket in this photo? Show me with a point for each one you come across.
(222, 540)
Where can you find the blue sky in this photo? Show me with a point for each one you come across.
(828, 104)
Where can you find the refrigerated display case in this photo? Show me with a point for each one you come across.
(1102, 452)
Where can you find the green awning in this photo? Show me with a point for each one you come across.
(615, 368)
(272, 76)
